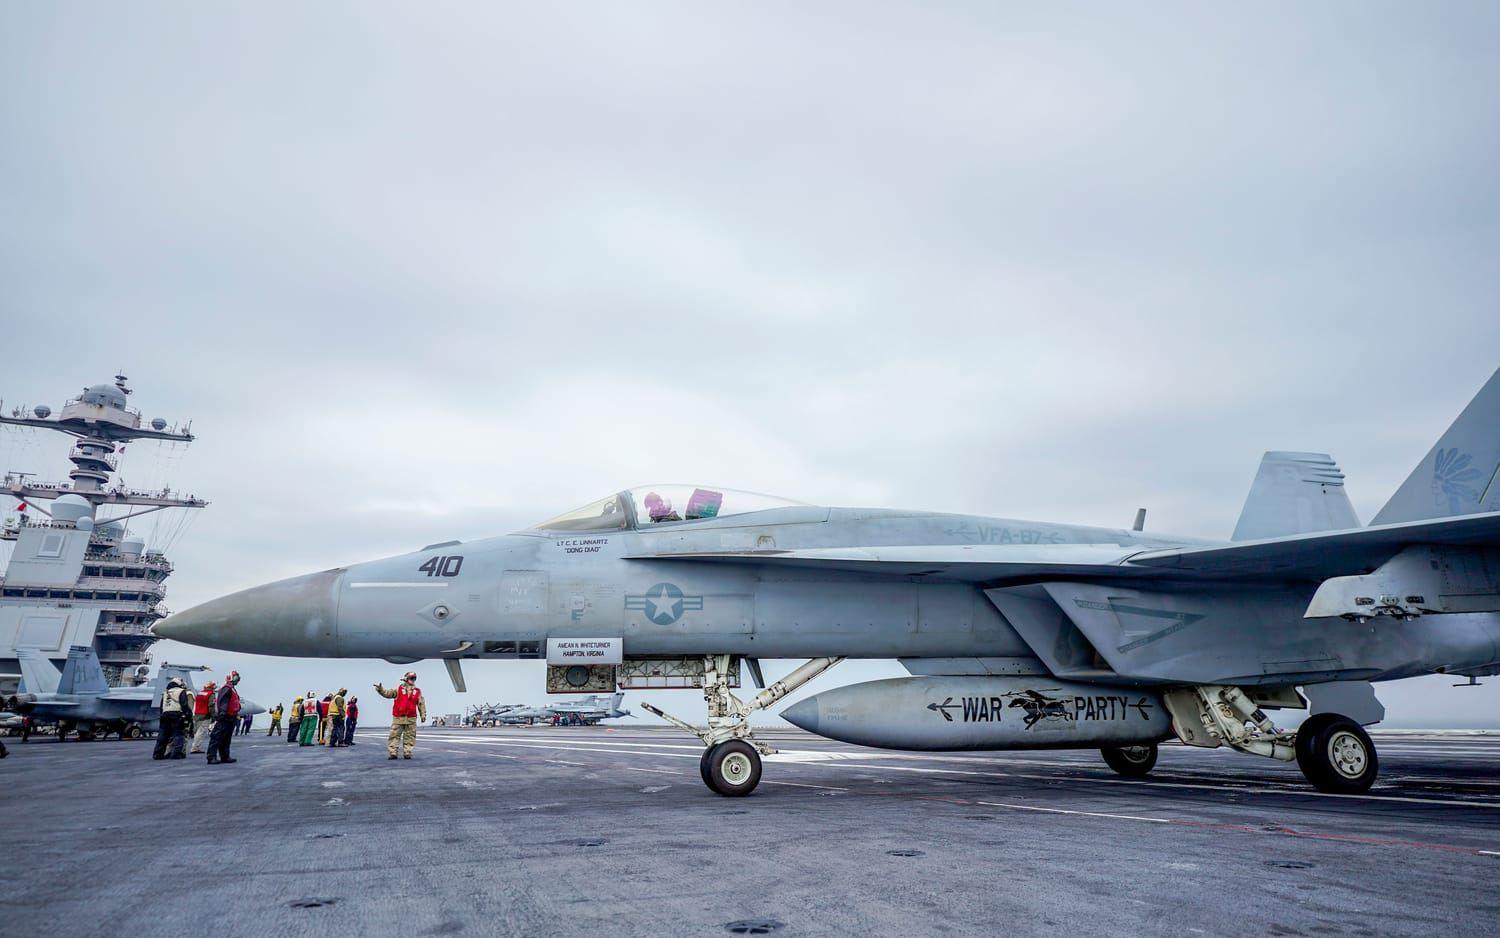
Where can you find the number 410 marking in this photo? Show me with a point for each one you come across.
(442, 566)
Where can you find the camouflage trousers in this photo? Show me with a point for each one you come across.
(404, 730)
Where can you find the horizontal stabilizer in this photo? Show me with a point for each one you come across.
(1295, 493)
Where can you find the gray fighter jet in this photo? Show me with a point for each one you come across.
(1017, 634)
(78, 697)
(586, 712)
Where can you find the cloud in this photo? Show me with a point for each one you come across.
(442, 273)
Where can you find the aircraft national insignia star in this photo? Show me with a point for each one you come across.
(663, 603)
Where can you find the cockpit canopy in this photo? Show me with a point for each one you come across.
(651, 505)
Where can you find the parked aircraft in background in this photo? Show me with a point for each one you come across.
(78, 697)
(590, 710)
(585, 712)
(489, 714)
(1017, 634)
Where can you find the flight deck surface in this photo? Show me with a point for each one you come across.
(592, 830)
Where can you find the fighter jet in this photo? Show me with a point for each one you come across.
(586, 712)
(590, 710)
(1016, 634)
(78, 697)
(488, 714)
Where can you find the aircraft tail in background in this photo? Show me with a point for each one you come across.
(81, 674)
(38, 674)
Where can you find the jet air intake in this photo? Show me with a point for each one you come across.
(983, 712)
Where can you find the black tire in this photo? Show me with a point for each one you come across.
(733, 768)
(1130, 761)
(703, 768)
(1336, 754)
(131, 732)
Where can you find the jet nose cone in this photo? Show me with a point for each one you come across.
(803, 714)
(289, 617)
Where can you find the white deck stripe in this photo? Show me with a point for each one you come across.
(1032, 807)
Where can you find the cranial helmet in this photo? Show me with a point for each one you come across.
(410, 676)
(174, 682)
(210, 685)
(233, 677)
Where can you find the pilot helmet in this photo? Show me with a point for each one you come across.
(657, 507)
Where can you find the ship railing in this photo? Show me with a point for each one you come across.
(64, 488)
(127, 409)
(109, 459)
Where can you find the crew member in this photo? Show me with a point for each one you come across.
(294, 722)
(275, 729)
(227, 704)
(408, 708)
(336, 719)
(176, 704)
(658, 509)
(309, 732)
(323, 719)
(350, 719)
(245, 725)
(203, 716)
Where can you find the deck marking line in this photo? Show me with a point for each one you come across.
(1032, 807)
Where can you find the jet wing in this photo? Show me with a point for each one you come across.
(1323, 554)
(1312, 557)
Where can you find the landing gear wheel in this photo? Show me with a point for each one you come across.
(132, 732)
(733, 768)
(703, 768)
(1336, 754)
(1130, 761)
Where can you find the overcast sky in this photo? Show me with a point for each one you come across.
(419, 272)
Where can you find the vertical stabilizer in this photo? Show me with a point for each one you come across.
(1295, 493)
(168, 671)
(619, 698)
(38, 674)
(81, 674)
(1461, 474)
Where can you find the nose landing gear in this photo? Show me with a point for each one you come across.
(732, 769)
(731, 764)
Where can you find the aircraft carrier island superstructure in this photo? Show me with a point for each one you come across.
(76, 575)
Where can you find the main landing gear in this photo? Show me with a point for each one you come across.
(731, 764)
(1333, 751)
(1336, 754)
(1130, 761)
